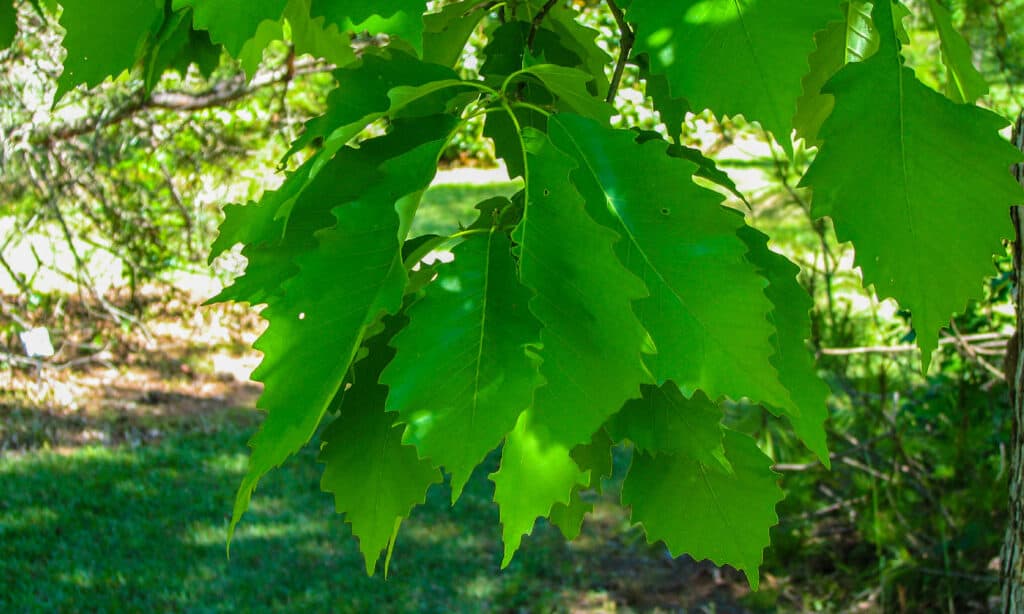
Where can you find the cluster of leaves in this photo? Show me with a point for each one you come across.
(613, 298)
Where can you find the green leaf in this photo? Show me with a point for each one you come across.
(446, 32)
(8, 23)
(402, 18)
(104, 39)
(965, 83)
(813, 107)
(362, 95)
(570, 86)
(595, 458)
(506, 51)
(672, 110)
(793, 359)
(580, 40)
(701, 510)
(314, 36)
(591, 341)
(375, 479)
(706, 312)
(569, 517)
(536, 476)
(590, 344)
(469, 331)
(273, 239)
(752, 53)
(852, 39)
(927, 205)
(664, 421)
(232, 22)
(250, 57)
(316, 328)
(707, 169)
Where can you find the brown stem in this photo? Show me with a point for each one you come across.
(626, 40)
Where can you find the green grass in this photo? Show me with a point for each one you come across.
(143, 528)
(446, 206)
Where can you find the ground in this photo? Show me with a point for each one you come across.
(117, 476)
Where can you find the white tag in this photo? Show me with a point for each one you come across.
(37, 343)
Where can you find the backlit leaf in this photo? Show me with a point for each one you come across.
(316, 327)
(918, 183)
(704, 511)
(375, 479)
(750, 54)
(461, 375)
(706, 312)
(104, 38)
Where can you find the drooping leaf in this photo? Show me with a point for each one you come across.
(752, 53)
(461, 375)
(232, 22)
(928, 171)
(313, 35)
(445, 32)
(507, 51)
(581, 40)
(362, 95)
(568, 517)
(964, 82)
(8, 23)
(250, 56)
(707, 169)
(813, 107)
(706, 312)
(403, 18)
(704, 511)
(536, 476)
(505, 54)
(671, 109)
(595, 458)
(569, 85)
(282, 225)
(104, 39)
(375, 479)
(664, 421)
(852, 39)
(315, 327)
(591, 341)
(793, 359)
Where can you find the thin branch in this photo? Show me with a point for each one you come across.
(626, 40)
(220, 94)
(969, 352)
(910, 347)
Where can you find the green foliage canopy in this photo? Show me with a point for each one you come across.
(614, 298)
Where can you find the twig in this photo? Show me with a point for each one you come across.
(910, 347)
(221, 93)
(628, 37)
(969, 352)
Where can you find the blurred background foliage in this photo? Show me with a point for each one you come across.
(110, 198)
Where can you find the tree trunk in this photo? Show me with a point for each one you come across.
(1013, 542)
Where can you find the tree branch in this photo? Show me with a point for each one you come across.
(626, 40)
(220, 94)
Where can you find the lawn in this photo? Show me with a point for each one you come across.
(142, 527)
(125, 506)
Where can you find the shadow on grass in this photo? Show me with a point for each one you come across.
(122, 528)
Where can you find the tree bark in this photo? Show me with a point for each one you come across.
(1013, 542)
